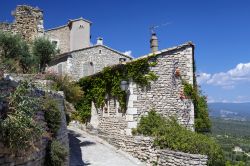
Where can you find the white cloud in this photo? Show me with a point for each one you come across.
(227, 80)
(203, 78)
(129, 53)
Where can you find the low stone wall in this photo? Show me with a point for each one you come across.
(142, 148)
(37, 157)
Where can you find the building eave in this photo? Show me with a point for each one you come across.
(66, 54)
(167, 50)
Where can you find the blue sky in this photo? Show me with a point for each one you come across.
(220, 29)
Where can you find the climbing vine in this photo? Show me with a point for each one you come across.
(107, 82)
(202, 121)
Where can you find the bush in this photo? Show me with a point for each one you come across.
(19, 133)
(202, 121)
(56, 155)
(14, 52)
(72, 91)
(18, 130)
(169, 134)
(44, 50)
(52, 115)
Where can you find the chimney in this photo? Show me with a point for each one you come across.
(99, 41)
(154, 43)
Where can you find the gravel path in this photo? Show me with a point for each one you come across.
(86, 149)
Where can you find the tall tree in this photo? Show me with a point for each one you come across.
(12, 52)
(43, 50)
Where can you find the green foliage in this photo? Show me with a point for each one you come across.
(202, 121)
(232, 133)
(108, 82)
(52, 114)
(150, 124)
(72, 91)
(19, 130)
(56, 155)
(44, 50)
(14, 53)
(169, 134)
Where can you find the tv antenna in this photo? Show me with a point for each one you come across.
(154, 27)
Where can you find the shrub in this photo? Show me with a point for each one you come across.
(19, 133)
(52, 115)
(202, 121)
(18, 130)
(72, 91)
(169, 134)
(14, 52)
(56, 154)
(44, 50)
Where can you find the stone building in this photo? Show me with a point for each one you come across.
(28, 22)
(78, 57)
(164, 95)
(86, 61)
(74, 35)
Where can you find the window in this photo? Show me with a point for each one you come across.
(100, 51)
(59, 69)
(88, 68)
(55, 42)
(121, 60)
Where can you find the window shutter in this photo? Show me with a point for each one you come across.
(86, 69)
(59, 69)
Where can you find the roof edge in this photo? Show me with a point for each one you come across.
(189, 43)
(63, 55)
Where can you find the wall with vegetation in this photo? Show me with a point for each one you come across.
(87, 61)
(38, 155)
(163, 94)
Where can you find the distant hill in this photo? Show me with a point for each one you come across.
(233, 111)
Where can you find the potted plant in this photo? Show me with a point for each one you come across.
(177, 72)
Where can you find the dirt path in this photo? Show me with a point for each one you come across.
(86, 149)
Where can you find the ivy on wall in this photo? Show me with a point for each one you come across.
(107, 82)
(202, 121)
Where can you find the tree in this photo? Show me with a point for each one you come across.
(43, 50)
(14, 53)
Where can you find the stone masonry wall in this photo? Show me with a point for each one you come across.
(142, 147)
(37, 157)
(164, 96)
(87, 61)
(62, 33)
(28, 22)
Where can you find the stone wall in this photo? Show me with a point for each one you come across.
(164, 96)
(62, 36)
(37, 157)
(28, 22)
(88, 61)
(142, 147)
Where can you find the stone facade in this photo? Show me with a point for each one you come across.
(87, 61)
(73, 36)
(61, 36)
(163, 96)
(28, 22)
(37, 157)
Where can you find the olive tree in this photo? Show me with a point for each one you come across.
(43, 50)
(14, 53)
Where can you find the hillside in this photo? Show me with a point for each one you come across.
(234, 111)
